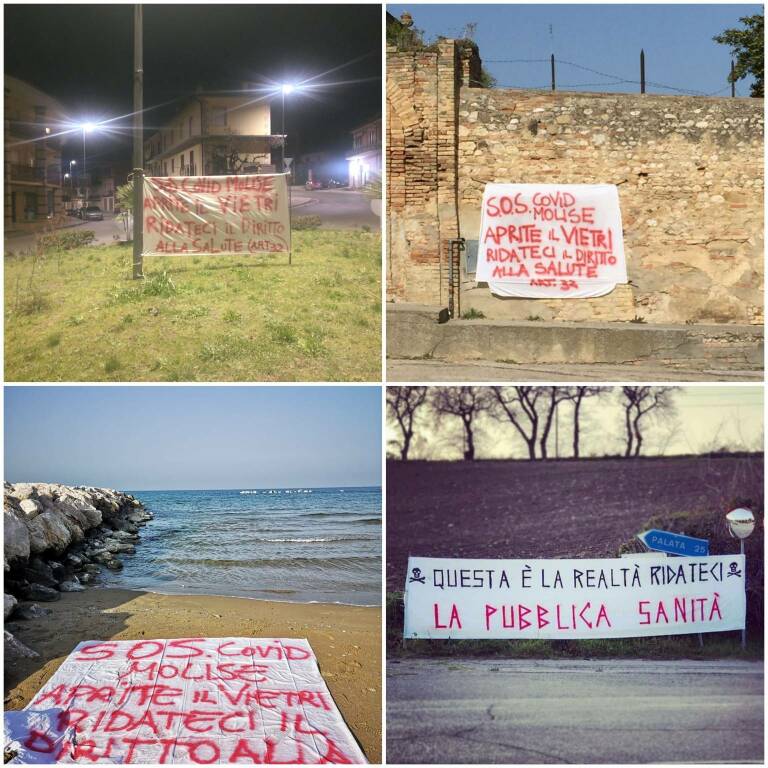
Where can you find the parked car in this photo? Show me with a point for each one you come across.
(74, 212)
(313, 184)
(335, 183)
(93, 213)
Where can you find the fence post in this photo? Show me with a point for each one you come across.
(733, 81)
(552, 65)
(642, 71)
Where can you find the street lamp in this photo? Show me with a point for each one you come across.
(286, 90)
(741, 523)
(87, 127)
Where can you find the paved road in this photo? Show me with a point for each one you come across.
(337, 208)
(437, 370)
(453, 711)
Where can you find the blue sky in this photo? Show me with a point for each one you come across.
(677, 39)
(148, 437)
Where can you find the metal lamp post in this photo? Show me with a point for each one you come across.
(741, 523)
(87, 128)
(285, 90)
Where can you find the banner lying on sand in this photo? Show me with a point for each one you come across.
(222, 700)
(551, 240)
(573, 599)
(216, 214)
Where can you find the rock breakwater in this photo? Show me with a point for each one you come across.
(57, 538)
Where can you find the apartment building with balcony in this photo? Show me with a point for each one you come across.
(365, 160)
(32, 169)
(213, 134)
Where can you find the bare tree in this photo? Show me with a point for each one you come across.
(466, 403)
(518, 405)
(402, 403)
(551, 399)
(577, 395)
(531, 410)
(638, 402)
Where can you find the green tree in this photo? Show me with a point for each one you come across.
(124, 195)
(747, 46)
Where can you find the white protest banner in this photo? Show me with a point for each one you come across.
(193, 700)
(573, 599)
(216, 214)
(551, 240)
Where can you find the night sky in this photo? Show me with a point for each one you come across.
(83, 56)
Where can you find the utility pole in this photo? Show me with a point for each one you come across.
(138, 143)
(733, 81)
(552, 64)
(642, 71)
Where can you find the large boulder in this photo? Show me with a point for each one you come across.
(16, 540)
(49, 532)
(72, 585)
(40, 592)
(31, 611)
(15, 649)
(40, 572)
(9, 603)
(31, 507)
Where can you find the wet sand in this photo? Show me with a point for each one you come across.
(346, 641)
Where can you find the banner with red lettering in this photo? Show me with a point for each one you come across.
(193, 700)
(206, 215)
(573, 599)
(551, 240)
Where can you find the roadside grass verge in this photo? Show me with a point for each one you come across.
(78, 316)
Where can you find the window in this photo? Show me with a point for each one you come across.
(191, 162)
(173, 165)
(165, 167)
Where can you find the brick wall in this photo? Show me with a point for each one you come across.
(689, 172)
(422, 132)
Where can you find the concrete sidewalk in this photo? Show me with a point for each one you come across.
(480, 371)
(476, 348)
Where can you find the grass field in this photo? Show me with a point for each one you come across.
(77, 316)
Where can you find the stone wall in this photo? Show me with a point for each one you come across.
(688, 169)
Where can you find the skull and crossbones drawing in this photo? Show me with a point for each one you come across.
(417, 576)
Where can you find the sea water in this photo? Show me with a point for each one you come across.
(292, 544)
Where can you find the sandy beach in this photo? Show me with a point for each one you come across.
(346, 641)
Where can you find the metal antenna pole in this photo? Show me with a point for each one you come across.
(138, 143)
(642, 71)
(733, 81)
